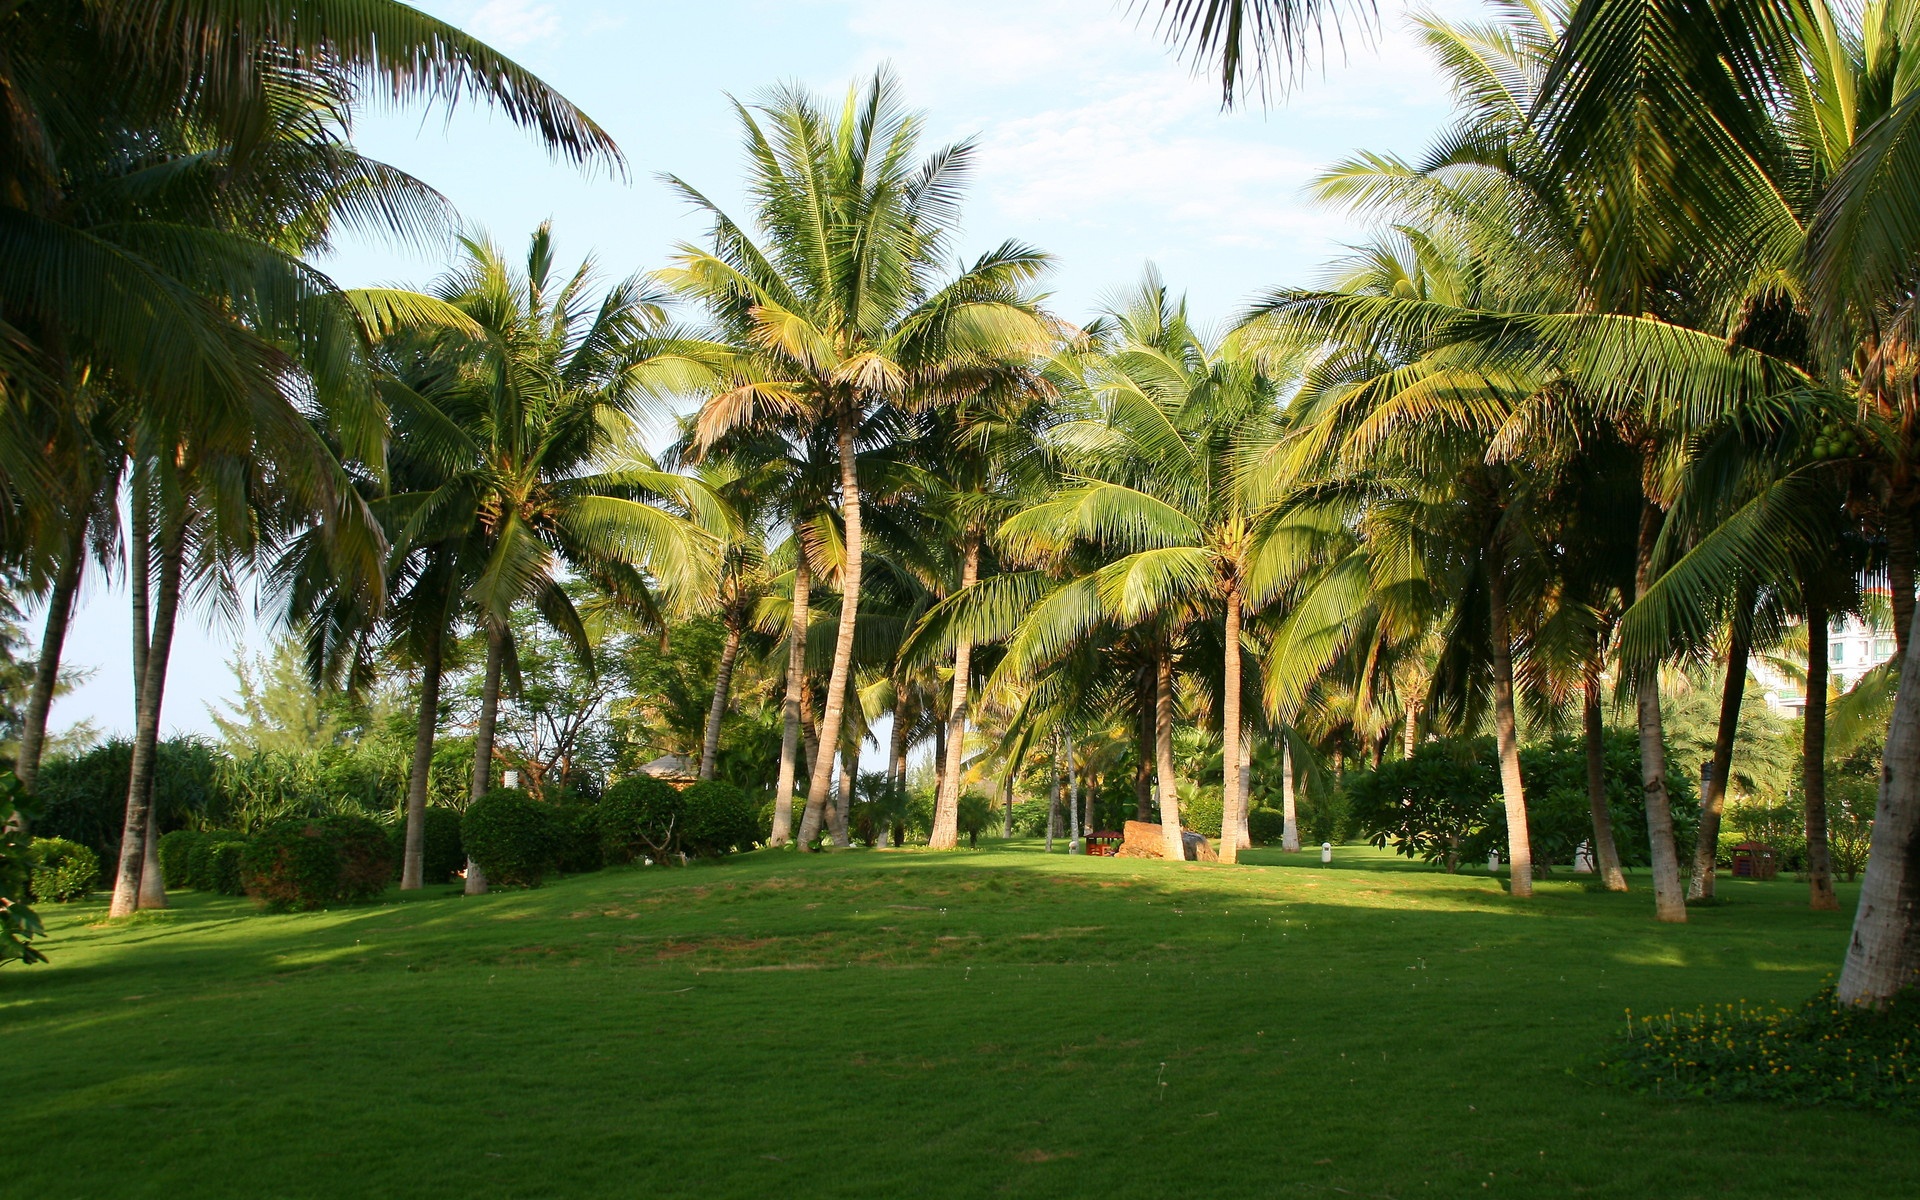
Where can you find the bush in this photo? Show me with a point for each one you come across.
(1201, 809)
(176, 857)
(441, 851)
(976, 811)
(62, 870)
(640, 815)
(719, 819)
(1266, 826)
(213, 864)
(511, 836)
(84, 798)
(301, 863)
(577, 833)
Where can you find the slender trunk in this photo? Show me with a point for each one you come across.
(1507, 735)
(939, 756)
(1176, 847)
(1813, 763)
(843, 805)
(1410, 733)
(1606, 855)
(1053, 795)
(1074, 828)
(1233, 799)
(413, 861)
(1143, 769)
(1669, 893)
(153, 885)
(46, 673)
(1006, 811)
(151, 649)
(946, 809)
(1289, 814)
(483, 737)
(1900, 563)
(1713, 797)
(722, 686)
(1883, 955)
(796, 689)
(843, 644)
(1246, 792)
(897, 739)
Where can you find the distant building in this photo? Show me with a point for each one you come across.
(1854, 647)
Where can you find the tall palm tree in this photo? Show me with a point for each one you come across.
(834, 290)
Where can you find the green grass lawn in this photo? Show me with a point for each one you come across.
(906, 1024)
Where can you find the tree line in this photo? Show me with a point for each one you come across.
(1621, 382)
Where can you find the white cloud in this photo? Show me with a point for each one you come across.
(512, 24)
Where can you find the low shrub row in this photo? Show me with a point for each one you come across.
(442, 852)
(518, 840)
(208, 861)
(304, 863)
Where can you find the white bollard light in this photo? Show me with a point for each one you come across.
(1326, 852)
(1493, 861)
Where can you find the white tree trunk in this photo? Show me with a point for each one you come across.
(790, 711)
(1176, 847)
(1233, 800)
(842, 669)
(946, 808)
(1289, 816)
(1512, 790)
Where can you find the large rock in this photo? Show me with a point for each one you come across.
(1146, 839)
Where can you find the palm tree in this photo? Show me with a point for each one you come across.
(834, 294)
(542, 468)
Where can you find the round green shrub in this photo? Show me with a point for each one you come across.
(719, 819)
(1266, 826)
(310, 863)
(176, 857)
(441, 851)
(62, 870)
(511, 836)
(577, 833)
(639, 816)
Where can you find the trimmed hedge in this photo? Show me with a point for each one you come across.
(176, 857)
(442, 852)
(62, 870)
(310, 863)
(1266, 826)
(640, 816)
(214, 864)
(512, 837)
(719, 819)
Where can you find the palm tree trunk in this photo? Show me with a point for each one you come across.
(1883, 955)
(1669, 893)
(1410, 730)
(46, 672)
(1289, 813)
(1507, 734)
(796, 688)
(1176, 848)
(843, 644)
(1606, 855)
(1053, 794)
(1813, 763)
(1006, 811)
(722, 687)
(1233, 800)
(1143, 769)
(1713, 801)
(1074, 827)
(843, 799)
(897, 739)
(413, 860)
(483, 738)
(939, 756)
(946, 809)
(1900, 563)
(131, 889)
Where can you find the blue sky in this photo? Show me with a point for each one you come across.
(1094, 144)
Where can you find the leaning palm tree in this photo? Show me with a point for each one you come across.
(834, 294)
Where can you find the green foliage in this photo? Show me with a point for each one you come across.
(306, 863)
(63, 870)
(441, 851)
(1444, 803)
(719, 819)
(19, 924)
(639, 816)
(214, 865)
(513, 838)
(1821, 1053)
(1200, 809)
(576, 830)
(975, 814)
(176, 856)
(84, 798)
(1030, 818)
(1266, 826)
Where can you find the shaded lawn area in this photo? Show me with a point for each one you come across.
(886, 1024)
